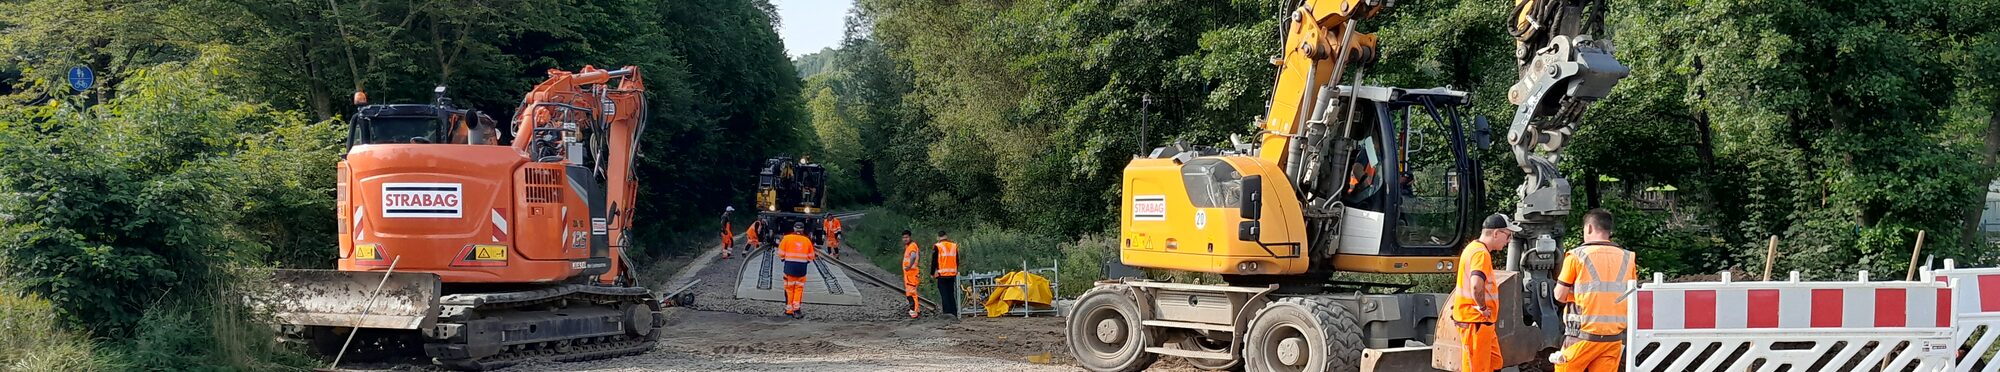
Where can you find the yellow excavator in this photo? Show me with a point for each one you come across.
(1344, 177)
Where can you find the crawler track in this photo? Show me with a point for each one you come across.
(563, 323)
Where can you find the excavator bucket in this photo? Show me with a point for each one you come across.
(349, 299)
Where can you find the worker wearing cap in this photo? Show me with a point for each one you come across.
(728, 240)
(910, 280)
(1475, 302)
(944, 267)
(1594, 281)
(797, 251)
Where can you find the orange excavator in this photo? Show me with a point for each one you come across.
(482, 248)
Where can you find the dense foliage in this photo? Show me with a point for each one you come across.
(1843, 128)
(206, 149)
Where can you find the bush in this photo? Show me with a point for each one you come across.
(209, 334)
(134, 217)
(36, 341)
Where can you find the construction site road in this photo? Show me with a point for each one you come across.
(720, 332)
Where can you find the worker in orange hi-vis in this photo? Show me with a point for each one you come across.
(797, 251)
(750, 241)
(944, 267)
(830, 226)
(728, 239)
(1595, 278)
(910, 279)
(1476, 301)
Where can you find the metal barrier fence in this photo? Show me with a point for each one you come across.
(1792, 325)
(976, 286)
(1977, 304)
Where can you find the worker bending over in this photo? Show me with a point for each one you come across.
(1476, 300)
(944, 268)
(797, 251)
(910, 271)
(1594, 281)
(750, 241)
(727, 240)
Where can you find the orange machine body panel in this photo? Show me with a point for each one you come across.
(552, 206)
(433, 205)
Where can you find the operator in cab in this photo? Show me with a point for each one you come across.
(1475, 302)
(1594, 281)
(797, 251)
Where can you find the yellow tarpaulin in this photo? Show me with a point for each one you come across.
(1010, 293)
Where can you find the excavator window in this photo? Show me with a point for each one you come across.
(1365, 172)
(1212, 183)
(401, 129)
(1429, 178)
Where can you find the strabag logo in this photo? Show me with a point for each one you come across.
(1149, 208)
(422, 200)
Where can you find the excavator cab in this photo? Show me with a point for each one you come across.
(437, 122)
(1390, 186)
(1412, 186)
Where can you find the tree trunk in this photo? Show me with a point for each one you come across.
(1592, 193)
(317, 96)
(1973, 236)
(1706, 148)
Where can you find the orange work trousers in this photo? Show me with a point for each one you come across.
(1592, 356)
(910, 282)
(795, 292)
(1482, 348)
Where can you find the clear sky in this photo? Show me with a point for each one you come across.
(808, 25)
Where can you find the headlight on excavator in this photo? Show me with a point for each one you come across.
(1247, 267)
(1445, 265)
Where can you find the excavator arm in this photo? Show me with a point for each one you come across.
(1320, 46)
(591, 119)
(1563, 69)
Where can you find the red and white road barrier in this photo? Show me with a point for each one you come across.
(1763, 326)
(1977, 304)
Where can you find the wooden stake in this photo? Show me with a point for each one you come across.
(1916, 252)
(1770, 254)
(365, 310)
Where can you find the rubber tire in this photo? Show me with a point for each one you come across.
(1131, 355)
(1188, 341)
(1332, 335)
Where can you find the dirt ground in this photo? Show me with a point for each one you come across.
(722, 341)
(722, 333)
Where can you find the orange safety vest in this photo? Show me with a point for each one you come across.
(1474, 260)
(947, 253)
(910, 258)
(1598, 274)
(750, 234)
(796, 248)
(726, 230)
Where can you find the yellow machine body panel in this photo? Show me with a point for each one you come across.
(1187, 217)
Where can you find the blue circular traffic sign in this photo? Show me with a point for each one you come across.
(80, 78)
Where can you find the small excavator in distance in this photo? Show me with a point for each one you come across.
(791, 191)
(1344, 177)
(486, 250)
